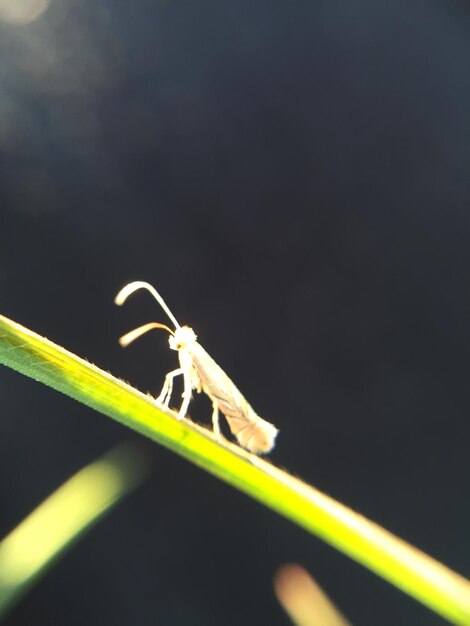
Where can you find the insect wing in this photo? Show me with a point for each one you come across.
(217, 384)
(251, 431)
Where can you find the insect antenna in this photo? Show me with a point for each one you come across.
(129, 289)
(132, 335)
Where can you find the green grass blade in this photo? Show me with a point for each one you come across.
(422, 577)
(39, 540)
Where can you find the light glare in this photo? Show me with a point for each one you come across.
(22, 11)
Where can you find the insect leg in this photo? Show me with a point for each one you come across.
(187, 393)
(215, 421)
(164, 397)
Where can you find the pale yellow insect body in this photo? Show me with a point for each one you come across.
(201, 372)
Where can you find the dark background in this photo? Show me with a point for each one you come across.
(294, 179)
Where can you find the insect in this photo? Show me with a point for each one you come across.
(201, 372)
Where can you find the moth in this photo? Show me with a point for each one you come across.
(201, 372)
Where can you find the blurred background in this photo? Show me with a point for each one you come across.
(294, 179)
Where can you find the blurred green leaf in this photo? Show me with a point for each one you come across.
(39, 540)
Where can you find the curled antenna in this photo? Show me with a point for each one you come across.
(129, 289)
